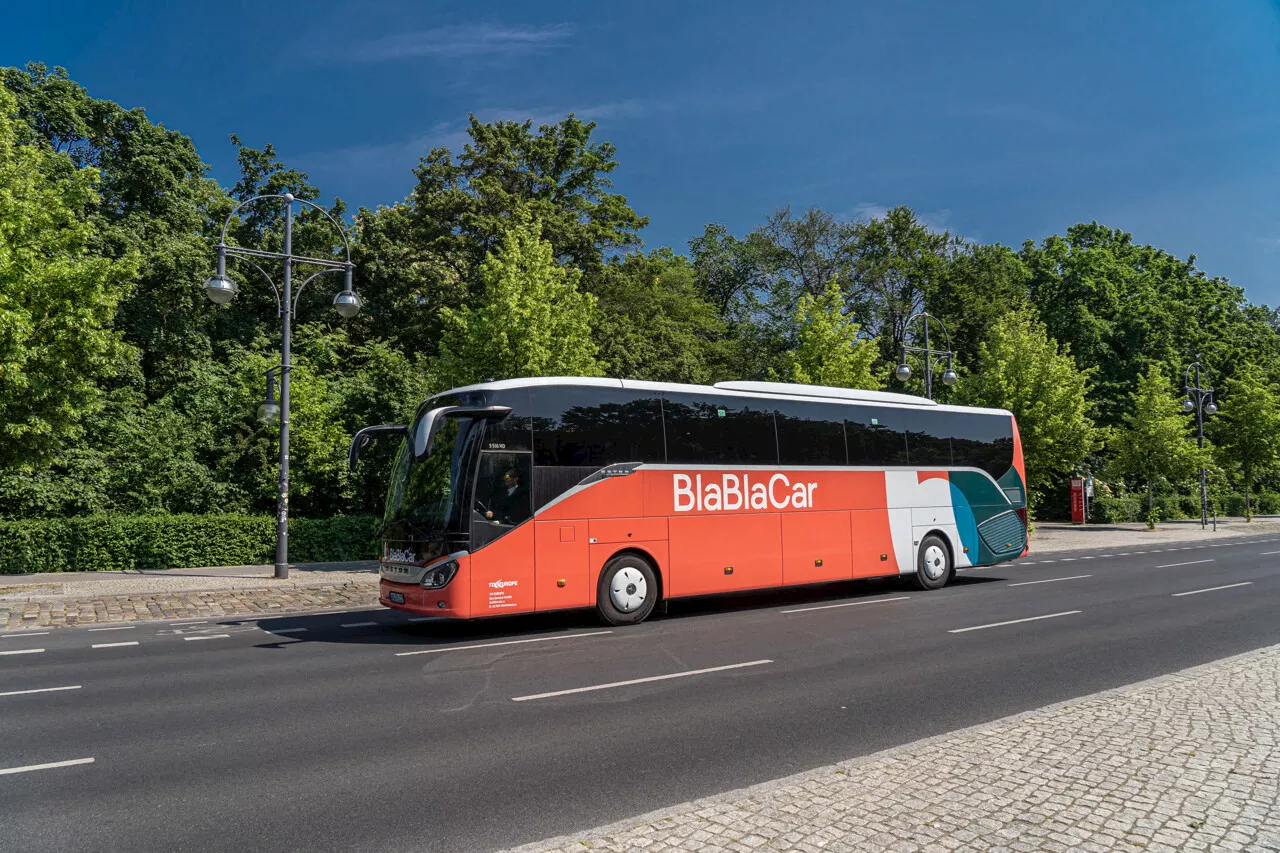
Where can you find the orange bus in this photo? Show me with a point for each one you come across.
(553, 493)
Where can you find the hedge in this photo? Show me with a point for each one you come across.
(116, 542)
(1133, 507)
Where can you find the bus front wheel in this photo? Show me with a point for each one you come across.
(933, 563)
(628, 590)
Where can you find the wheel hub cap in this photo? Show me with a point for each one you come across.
(628, 590)
(935, 562)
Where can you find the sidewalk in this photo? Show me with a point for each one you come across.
(1184, 762)
(75, 598)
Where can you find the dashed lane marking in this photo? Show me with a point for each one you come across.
(629, 682)
(40, 690)
(49, 766)
(21, 651)
(114, 645)
(285, 630)
(116, 628)
(848, 604)
(503, 643)
(208, 637)
(1014, 621)
(21, 634)
(1051, 580)
(359, 624)
(1212, 589)
(1175, 565)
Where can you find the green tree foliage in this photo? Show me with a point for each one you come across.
(532, 321)
(980, 285)
(57, 301)
(1247, 430)
(652, 323)
(828, 350)
(1154, 448)
(1022, 369)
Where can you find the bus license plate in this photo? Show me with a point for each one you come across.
(396, 597)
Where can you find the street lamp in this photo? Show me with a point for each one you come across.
(903, 371)
(1200, 401)
(221, 289)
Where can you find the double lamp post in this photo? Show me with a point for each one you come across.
(1200, 401)
(221, 289)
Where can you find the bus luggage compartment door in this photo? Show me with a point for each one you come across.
(561, 570)
(711, 554)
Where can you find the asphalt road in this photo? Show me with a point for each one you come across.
(326, 732)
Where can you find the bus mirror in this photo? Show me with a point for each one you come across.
(425, 435)
(364, 436)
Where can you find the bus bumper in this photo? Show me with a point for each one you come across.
(411, 598)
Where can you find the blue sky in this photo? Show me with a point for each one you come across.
(997, 119)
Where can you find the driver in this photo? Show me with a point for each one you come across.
(511, 505)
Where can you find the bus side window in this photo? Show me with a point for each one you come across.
(708, 431)
(876, 435)
(928, 438)
(810, 433)
(503, 494)
(982, 441)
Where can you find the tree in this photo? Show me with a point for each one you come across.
(57, 300)
(1154, 447)
(532, 321)
(1247, 430)
(827, 350)
(979, 286)
(1022, 369)
(652, 323)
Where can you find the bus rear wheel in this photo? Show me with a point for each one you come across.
(628, 590)
(933, 563)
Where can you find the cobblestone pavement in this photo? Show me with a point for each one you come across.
(1053, 536)
(46, 611)
(1185, 762)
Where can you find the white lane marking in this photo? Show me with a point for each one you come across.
(1013, 622)
(503, 643)
(285, 630)
(118, 628)
(423, 618)
(629, 682)
(40, 690)
(1192, 563)
(1051, 580)
(21, 652)
(1125, 554)
(1086, 558)
(1048, 561)
(1212, 589)
(209, 637)
(1106, 555)
(21, 634)
(49, 766)
(114, 645)
(358, 624)
(1268, 553)
(848, 604)
(183, 624)
(1027, 563)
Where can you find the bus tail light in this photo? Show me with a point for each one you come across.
(1022, 514)
(440, 575)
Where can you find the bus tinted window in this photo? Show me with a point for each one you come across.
(585, 426)
(928, 438)
(810, 433)
(876, 435)
(982, 441)
(707, 430)
(513, 431)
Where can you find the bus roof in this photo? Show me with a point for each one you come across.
(758, 390)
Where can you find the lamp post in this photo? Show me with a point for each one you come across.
(1200, 401)
(221, 289)
(903, 372)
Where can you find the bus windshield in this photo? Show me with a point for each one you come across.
(425, 498)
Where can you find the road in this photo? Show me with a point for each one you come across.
(364, 731)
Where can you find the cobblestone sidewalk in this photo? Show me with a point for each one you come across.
(250, 598)
(1186, 762)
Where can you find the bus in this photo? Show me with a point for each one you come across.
(554, 493)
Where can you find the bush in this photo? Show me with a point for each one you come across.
(113, 542)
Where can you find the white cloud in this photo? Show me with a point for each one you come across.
(465, 40)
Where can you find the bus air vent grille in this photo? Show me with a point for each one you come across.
(1003, 534)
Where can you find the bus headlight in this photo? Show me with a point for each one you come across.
(440, 575)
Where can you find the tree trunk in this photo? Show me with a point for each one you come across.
(1248, 509)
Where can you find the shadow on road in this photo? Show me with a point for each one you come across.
(380, 626)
